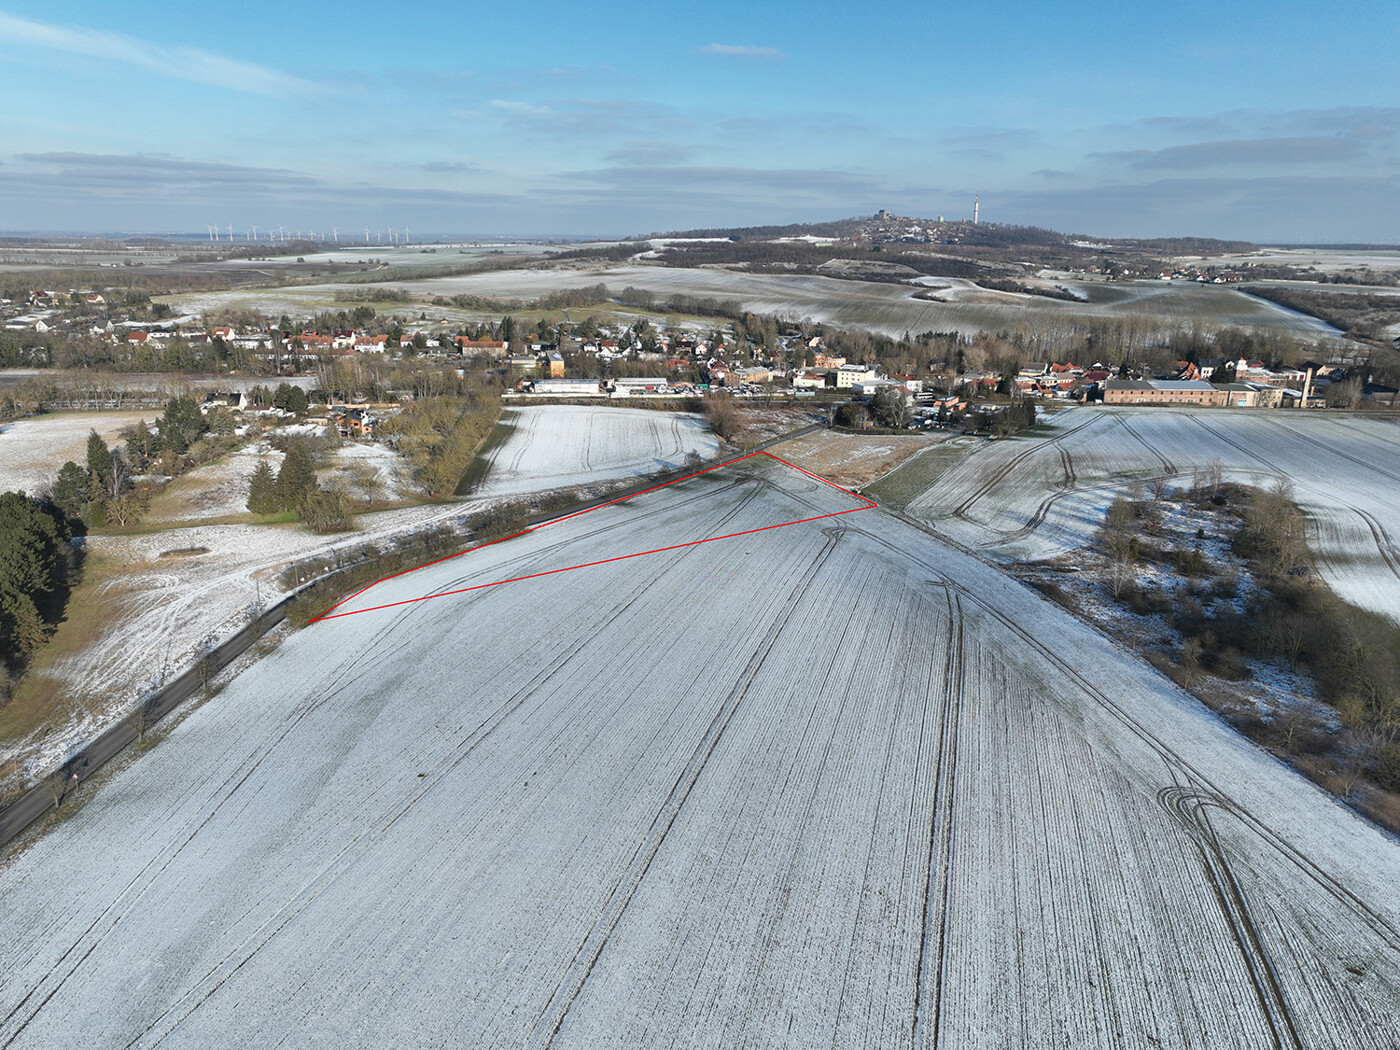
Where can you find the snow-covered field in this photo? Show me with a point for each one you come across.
(1044, 496)
(833, 784)
(890, 309)
(557, 446)
(32, 450)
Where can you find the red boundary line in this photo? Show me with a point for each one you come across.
(331, 614)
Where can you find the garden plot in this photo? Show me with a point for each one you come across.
(822, 785)
(558, 446)
(32, 450)
(1044, 496)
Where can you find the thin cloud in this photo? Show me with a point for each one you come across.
(741, 51)
(1264, 152)
(182, 63)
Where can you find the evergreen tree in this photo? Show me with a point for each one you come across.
(181, 425)
(264, 496)
(297, 478)
(99, 462)
(68, 489)
(141, 445)
(32, 567)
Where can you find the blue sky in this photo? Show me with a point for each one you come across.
(1275, 121)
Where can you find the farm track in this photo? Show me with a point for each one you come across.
(933, 944)
(1189, 808)
(1248, 453)
(1369, 465)
(1168, 467)
(1001, 472)
(1384, 544)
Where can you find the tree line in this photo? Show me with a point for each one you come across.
(37, 570)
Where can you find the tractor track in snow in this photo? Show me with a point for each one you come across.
(566, 993)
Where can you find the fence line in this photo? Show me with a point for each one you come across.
(49, 792)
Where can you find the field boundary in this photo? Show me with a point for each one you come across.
(867, 504)
(53, 788)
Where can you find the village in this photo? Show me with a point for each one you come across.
(631, 361)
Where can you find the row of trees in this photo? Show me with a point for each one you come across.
(295, 488)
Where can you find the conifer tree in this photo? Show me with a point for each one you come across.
(264, 496)
(297, 478)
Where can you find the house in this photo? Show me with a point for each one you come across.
(910, 382)
(556, 364)
(371, 344)
(811, 379)
(828, 361)
(356, 422)
(524, 362)
(314, 342)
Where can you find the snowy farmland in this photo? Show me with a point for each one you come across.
(830, 784)
(889, 309)
(558, 446)
(1040, 497)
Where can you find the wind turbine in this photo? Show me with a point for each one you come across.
(230, 233)
(335, 234)
(405, 235)
(211, 233)
(366, 234)
(255, 233)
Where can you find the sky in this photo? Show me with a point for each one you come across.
(1266, 120)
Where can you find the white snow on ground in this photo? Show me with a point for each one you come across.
(555, 446)
(1034, 498)
(32, 450)
(368, 471)
(170, 605)
(220, 489)
(833, 784)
